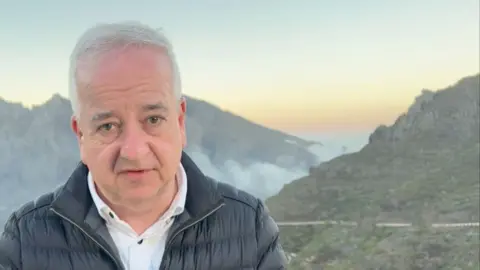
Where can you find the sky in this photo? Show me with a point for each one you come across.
(298, 66)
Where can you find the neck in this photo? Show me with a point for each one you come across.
(141, 215)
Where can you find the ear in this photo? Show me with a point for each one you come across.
(76, 128)
(74, 123)
(182, 115)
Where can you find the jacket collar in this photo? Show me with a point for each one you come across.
(73, 199)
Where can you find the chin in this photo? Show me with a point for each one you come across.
(139, 194)
(147, 188)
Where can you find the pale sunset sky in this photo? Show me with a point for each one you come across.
(294, 65)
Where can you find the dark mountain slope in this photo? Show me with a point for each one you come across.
(423, 169)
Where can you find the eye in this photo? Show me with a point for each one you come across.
(106, 127)
(154, 120)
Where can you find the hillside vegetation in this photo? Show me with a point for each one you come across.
(423, 169)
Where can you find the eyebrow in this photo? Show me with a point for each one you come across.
(155, 107)
(102, 116)
(149, 107)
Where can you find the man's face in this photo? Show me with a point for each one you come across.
(131, 126)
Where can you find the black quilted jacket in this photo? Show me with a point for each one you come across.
(222, 228)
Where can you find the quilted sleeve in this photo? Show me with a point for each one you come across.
(270, 252)
(10, 245)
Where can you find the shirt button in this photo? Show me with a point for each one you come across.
(111, 214)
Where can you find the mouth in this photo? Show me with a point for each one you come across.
(135, 172)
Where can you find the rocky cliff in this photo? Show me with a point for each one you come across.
(422, 169)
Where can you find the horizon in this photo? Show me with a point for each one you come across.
(316, 137)
(358, 136)
(303, 67)
(353, 140)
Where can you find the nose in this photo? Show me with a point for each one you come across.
(134, 143)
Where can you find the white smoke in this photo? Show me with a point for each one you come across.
(260, 179)
(266, 179)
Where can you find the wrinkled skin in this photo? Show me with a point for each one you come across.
(131, 130)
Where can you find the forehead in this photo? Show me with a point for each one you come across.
(125, 67)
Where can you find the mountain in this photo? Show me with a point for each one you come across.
(422, 169)
(223, 136)
(38, 150)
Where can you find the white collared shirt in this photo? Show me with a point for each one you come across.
(141, 252)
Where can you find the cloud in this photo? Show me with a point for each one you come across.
(266, 179)
(260, 179)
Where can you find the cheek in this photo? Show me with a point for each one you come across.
(167, 150)
(163, 148)
(97, 157)
(171, 137)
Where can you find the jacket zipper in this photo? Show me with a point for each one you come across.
(119, 266)
(186, 227)
(168, 244)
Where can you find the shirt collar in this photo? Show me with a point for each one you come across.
(176, 208)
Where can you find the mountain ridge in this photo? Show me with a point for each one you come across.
(423, 169)
(38, 150)
(211, 116)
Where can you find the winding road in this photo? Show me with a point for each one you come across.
(380, 224)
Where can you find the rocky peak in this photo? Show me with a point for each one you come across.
(438, 114)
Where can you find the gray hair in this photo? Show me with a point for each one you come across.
(103, 37)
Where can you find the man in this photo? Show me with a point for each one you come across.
(136, 201)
